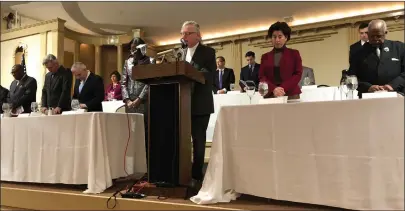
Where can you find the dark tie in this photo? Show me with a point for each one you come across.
(220, 79)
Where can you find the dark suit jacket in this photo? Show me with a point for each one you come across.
(3, 97)
(202, 100)
(92, 93)
(23, 94)
(246, 74)
(57, 89)
(354, 48)
(228, 78)
(290, 71)
(388, 69)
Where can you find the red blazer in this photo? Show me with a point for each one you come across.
(117, 92)
(290, 71)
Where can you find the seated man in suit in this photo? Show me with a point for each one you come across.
(57, 86)
(3, 97)
(307, 72)
(251, 71)
(89, 88)
(223, 78)
(379, 65)
(23, 89)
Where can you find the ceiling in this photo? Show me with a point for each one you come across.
(161, 21)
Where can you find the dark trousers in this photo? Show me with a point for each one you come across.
(199, 126)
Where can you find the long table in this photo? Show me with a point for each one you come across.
(87, 148)
(347, 154)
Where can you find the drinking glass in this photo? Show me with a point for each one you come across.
(352, 84)
(6, 109)
(75, 104)
(263, 88)
(232, 87)
(307, 81)
(34, 107)
(250, 91)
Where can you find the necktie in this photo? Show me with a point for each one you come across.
(378, 52)
(81, 86)
(220, 79)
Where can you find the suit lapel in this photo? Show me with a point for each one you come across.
(85, 85)
(196, 53)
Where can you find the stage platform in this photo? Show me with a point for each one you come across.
(31, 196)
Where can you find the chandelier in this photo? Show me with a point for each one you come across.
(112, 40)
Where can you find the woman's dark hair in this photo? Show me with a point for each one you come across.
(280, 26)
(117, 75)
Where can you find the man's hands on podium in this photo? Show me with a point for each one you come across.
(375, 88)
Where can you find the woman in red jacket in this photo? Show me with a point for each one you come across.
(281, 68)
(114, 89)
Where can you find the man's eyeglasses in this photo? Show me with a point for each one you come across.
(186, 33)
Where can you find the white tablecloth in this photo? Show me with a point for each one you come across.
(347, 154)
(309, 94)
(72, 149)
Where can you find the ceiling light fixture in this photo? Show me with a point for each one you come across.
(112, 40)
(328, 17)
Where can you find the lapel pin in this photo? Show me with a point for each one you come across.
(386, 49)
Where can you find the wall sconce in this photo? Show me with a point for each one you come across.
(112, 40)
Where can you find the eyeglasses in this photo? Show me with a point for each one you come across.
(186, 33)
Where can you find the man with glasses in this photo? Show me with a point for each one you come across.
(379, 65)
(202, 103)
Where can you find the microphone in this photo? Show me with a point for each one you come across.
(183, 43)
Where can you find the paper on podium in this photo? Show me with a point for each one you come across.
(381, 94)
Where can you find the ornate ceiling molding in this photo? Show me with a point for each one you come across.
(37, 28)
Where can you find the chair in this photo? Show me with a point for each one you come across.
(120, 109)
(323, 85)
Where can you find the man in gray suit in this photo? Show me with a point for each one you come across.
(307, 72)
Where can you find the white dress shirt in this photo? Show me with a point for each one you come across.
(190, 53)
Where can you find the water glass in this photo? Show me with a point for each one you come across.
(250, 91)
(307, 81)
(232, 87)
(352, 84)
(75, 104)
(34, 107)
(263, 88)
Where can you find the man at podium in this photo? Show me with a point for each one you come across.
(202, 104)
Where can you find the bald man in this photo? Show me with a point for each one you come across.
(23, 89)
(379, 65)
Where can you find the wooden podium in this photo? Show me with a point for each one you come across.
(169, 113)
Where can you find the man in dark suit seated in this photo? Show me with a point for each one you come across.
(357, 46)
(250, 72)
(202, 102)
(379, 65)
(3, 97)
(223, 77)
(23, 89)
(89, 88)
(57, 86)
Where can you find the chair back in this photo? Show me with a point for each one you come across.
(121, 109)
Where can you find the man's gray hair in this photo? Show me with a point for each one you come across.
(377, 24)
(49, 58)
(79, 65)
(195, 24)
